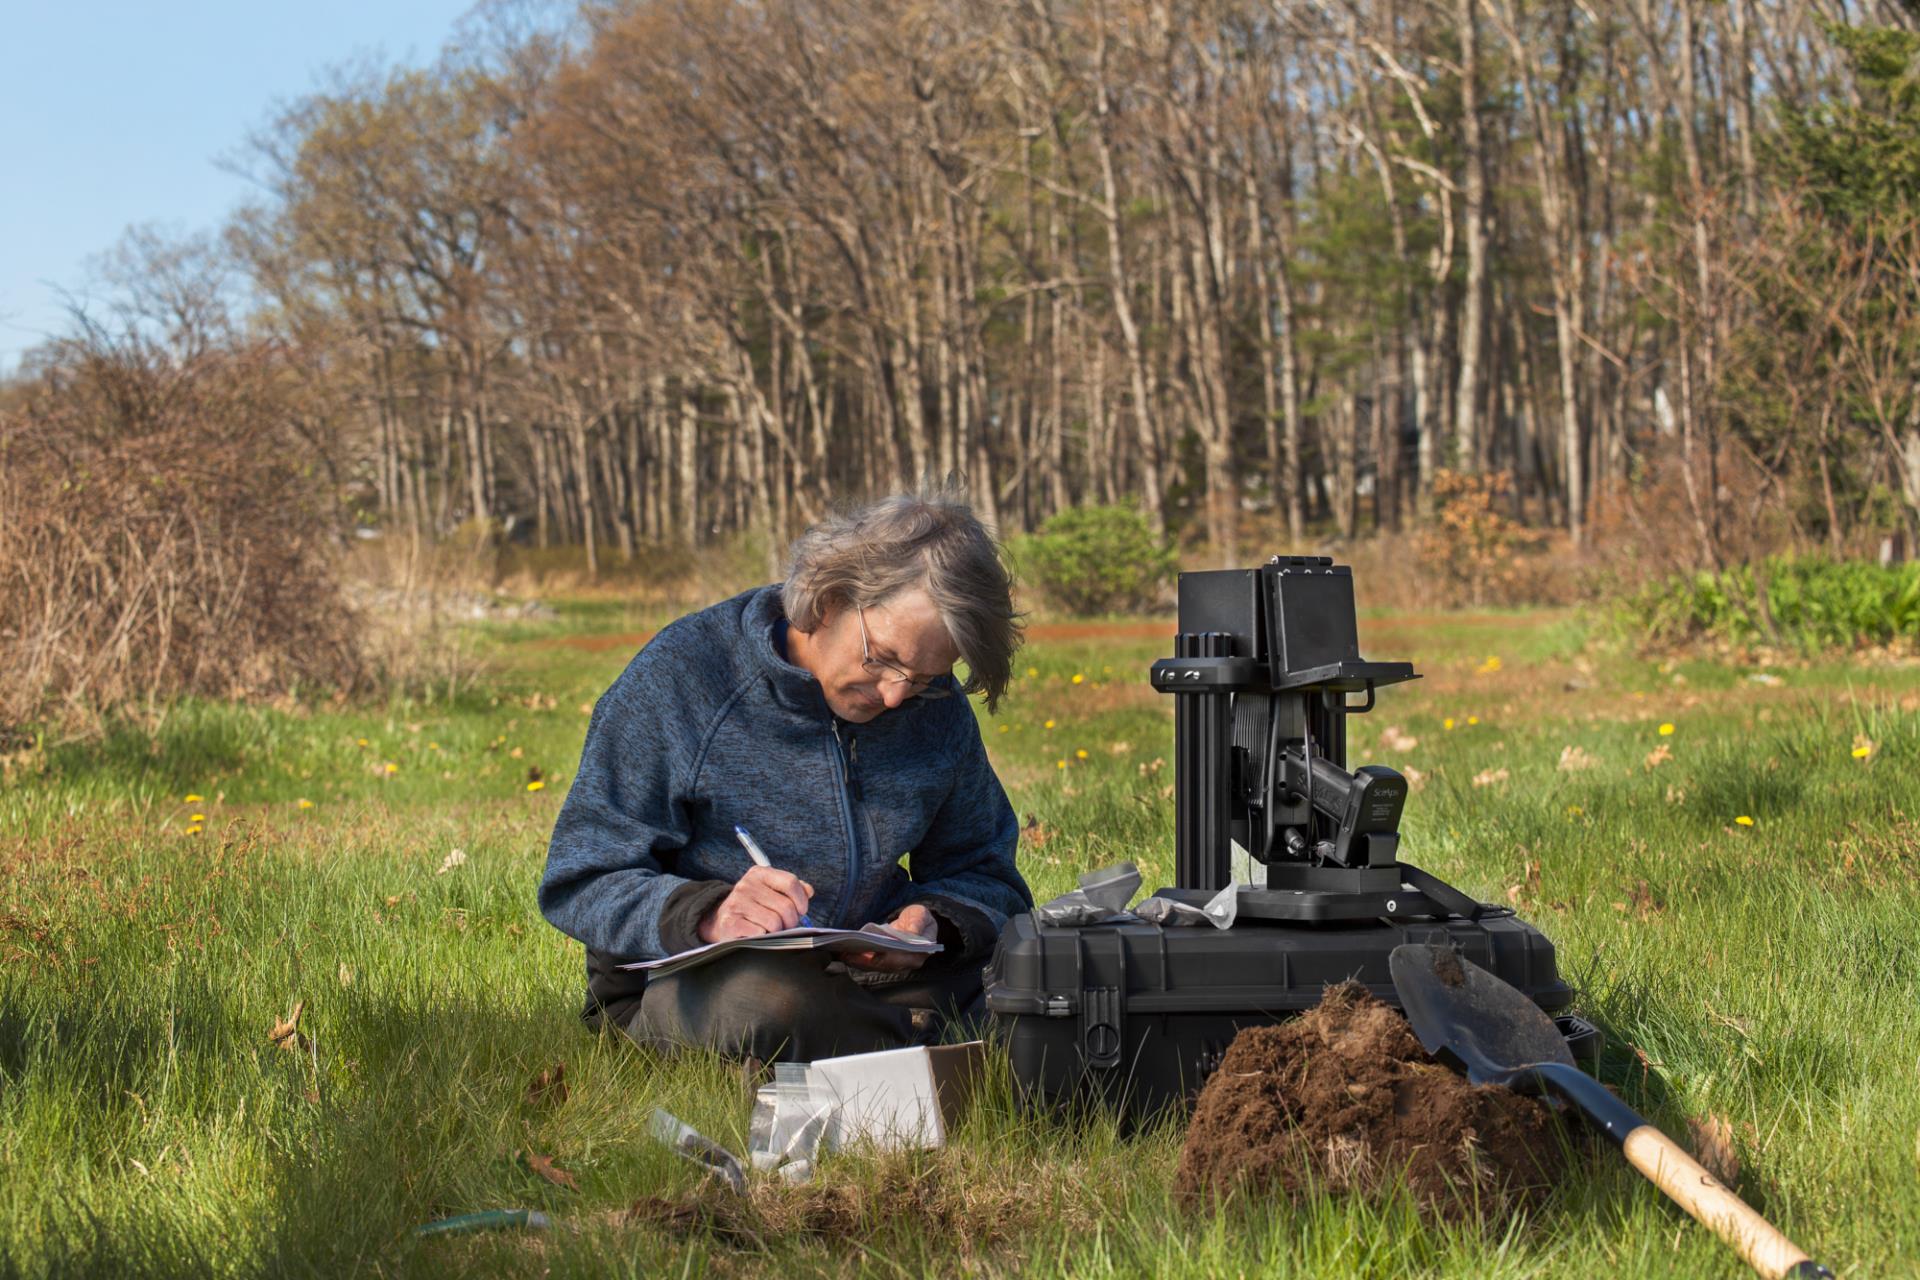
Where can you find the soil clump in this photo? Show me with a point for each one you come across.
(1344, 1099)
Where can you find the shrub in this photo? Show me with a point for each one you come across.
(1803, 603)
(1471, 551)
(1091, 560)
(161, 533)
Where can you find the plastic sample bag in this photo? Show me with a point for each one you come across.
(1221, 910)
(790, 1120)
(698, 1148)
(1102, 898)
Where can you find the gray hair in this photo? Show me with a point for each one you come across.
(863, 556)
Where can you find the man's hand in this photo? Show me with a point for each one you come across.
(913, 919)
(764, 900)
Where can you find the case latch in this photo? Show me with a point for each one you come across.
(1100, 1019)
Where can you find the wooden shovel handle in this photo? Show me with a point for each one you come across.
(1716, 1208)
(1678, 1174)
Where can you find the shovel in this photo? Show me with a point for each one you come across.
(1467, 1017)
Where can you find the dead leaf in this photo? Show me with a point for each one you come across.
(1415, 778)
(1645, 905)
(1529, 887)
(454, 858)
(1647, 1062)
(1035, 834)
(1393, 738)
(1659, 756)
(286, 1033)
(1489, 777)
(549, 1087)
(1120, 748)
(545, 1167)
(1712, 1143)
(1574, 759)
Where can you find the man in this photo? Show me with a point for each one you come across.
(823, 716)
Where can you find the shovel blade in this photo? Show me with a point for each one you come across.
(1467, 1016)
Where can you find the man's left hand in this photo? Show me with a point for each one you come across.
(914, 919)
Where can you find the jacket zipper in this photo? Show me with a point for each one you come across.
(845, 752)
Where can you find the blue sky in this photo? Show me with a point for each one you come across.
(115, 114)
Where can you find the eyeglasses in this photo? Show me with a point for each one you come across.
(880, 669)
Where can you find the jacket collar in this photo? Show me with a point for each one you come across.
(794, 686)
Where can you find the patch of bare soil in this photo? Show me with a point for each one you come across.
(931, 1200)
(1344, 1099)
(626, 641)
(1040, 633)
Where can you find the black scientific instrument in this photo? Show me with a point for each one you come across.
(1266, 672)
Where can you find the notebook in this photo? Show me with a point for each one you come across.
(872, 937)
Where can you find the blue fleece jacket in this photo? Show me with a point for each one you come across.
(710, 726)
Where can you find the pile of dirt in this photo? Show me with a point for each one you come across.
(1344, 1099)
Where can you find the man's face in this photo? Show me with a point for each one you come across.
(905, 633)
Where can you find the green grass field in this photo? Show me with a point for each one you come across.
(1735, 898)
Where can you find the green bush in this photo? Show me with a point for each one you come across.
(1814, 605)
(1091, 560)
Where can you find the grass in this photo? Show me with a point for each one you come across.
(1765, 975)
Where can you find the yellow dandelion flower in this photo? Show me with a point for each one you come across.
(1080, 754)
(196, 817)
(303, 803)
(1666, 731)
(433, 746)
(1473, 719)
(1059, 764)
(1491, 665)
(1447, 723)
(1078, 678)
(1106, 671)
(194, 799)
(1033, 671)
(1049, 724)
(1861, 753)
(1574, 811)
(193, 831)
(536, 785)
(392, 767)
(1744, 820)
(1003, 728)
(361, 741)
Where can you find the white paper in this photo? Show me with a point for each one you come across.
(893, 1098)
(873, 937)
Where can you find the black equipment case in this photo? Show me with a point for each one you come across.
(1137, 1016)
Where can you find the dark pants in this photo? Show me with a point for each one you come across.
(797, 1008)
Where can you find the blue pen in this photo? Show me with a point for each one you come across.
(760, 858)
